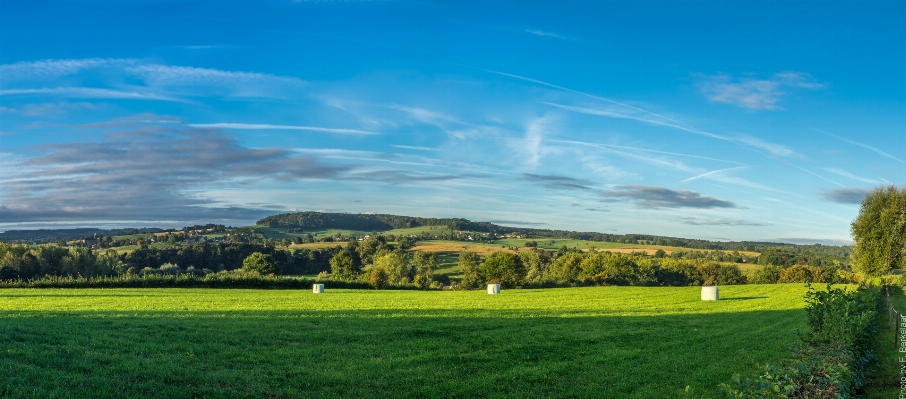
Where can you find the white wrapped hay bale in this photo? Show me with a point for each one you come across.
(317, 288)
(493, 289)
(709, 293)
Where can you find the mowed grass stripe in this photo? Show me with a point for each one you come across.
(590, 342)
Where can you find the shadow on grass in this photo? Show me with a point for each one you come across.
(383, 353)
(744, 298)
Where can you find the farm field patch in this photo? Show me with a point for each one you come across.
(627, 342)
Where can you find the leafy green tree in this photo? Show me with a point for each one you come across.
(565, 269)
(469, 263)
(344, 266)
(396, 264)
(259, 263)
(406, 243)
(423, 264)
(534, 264)
(505, 266)
(879, 232)
(619, 269)
(777, 257)
(371, 246)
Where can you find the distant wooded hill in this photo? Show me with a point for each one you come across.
(381, 222)
(372, 222)
(55, 235)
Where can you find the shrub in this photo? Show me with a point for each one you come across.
(378, 277)
(833, 355)
(713, 273)
(600, 278)
(421, 281)
(259, 263)
(795, 274)
(768, 274)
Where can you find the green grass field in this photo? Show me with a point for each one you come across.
(612, 342)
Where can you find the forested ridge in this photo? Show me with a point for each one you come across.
(376, 222)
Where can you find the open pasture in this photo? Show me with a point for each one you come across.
(281, 233)
(615, 342)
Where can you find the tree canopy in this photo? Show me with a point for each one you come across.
(260, 263)
(879, 232)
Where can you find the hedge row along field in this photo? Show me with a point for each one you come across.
(626, 342)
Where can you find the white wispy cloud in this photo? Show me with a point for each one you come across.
(772, 148)
(426, 115)
(713, 172)
(633, 113)
(205, 81)
(253, 126)
(756, 94)
(413, 147)
(51, 69)
(449, 124)
(812, 173)
(644, 150)
(49, 109)
(538, 32)
(856, 143)
(841, 172)
(93, 92)
(534, 134)
(664, 119)
(680, 166)
(162, 82)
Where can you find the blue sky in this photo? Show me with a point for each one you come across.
(715, 120)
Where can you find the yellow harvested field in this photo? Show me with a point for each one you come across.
(483, 250)
(316, 245)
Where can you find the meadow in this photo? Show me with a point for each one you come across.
(616, 342)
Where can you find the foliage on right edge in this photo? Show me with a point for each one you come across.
(833, 355)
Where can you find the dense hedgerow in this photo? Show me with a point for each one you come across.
(833, 354)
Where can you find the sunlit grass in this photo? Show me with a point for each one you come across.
(592, 342)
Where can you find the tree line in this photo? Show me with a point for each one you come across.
(23, 261)
(542, 268)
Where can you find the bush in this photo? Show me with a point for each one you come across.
(833, 355)
(713, 273)
(378, 277)
(504, 266)
(257, 262)
(795, 274)
(768, 274)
